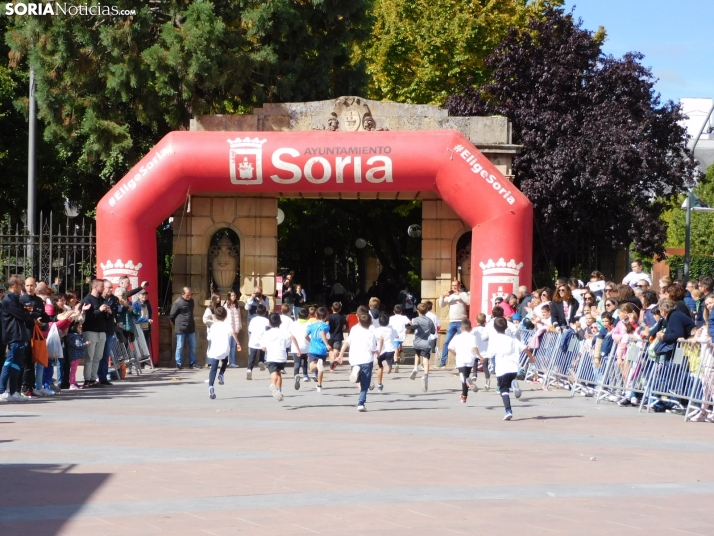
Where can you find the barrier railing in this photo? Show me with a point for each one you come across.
(681, 382)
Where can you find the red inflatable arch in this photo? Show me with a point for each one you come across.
(287, 163)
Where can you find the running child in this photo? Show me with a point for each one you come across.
(374, 313)
(300, 346)
(507, 350)
(423, 328)
(437, 324)
(256, 328)
(319, 345)
(363, 348)
(276, 342)
(386, 336)
(399, 322)
(479, 333)
(465, 350)
(338, 325)
(219, 336)
(285, 319)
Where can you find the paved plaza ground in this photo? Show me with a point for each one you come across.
(155, 456)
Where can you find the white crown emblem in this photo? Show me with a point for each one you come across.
(501, 267)
(120, 268)
(249, 153)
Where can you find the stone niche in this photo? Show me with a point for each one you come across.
(253, 219)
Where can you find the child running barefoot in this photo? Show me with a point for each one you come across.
(300, 346)
(507, 351)
(363, 348)
(399, 322)
(423, 328)
(465, 350)
(319, 346)
(386, 336)
(276, 342)
(219, 336)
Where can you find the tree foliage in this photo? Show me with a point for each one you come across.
(702, 224)
(600, 153)
(422, 51)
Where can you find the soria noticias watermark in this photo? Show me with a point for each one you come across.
(63, 8)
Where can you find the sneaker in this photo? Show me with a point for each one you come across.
(333, 365)
(273, 390)
(233, 366)
(361, 408)
(440, 366)
(212, 393)
(28, 395)
(297, 383)
(623, 402)
(396, 367)
(306, 379)
(54, 387)
(220, 379)
(508, 416)
(413, 375)
(488, 385)
(17, 397)
(5, 397)
(106, 382)
(698, 416)
(634, 401)
(320, 365)
(179, 368)
(380, 388)
(42, 392)
(279, 398)
(249, 374)
(261, 366)
(425, 383)
(319, 388)
(354, 375)
(195, 366)
(371, 385)
(74, 387)
(314, 378)
(516, 389)
(472, 384)
(463, 399)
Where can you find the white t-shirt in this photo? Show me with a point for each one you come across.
(276, 343)
(256, 328)
(363, 344)
(298, 330)
(219, 335)
(632, 278)
(387, 335)
(400, 323)
(490, 331)
(507, 351)
(463, 344)
(285, 322)
(435, 319)
(479, 333)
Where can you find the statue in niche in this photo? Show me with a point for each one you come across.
(224, 257)
(463, 259)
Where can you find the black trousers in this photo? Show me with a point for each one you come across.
(504, 384)
(28, 370)
(466, 371)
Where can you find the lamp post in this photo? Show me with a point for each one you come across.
(691, 204)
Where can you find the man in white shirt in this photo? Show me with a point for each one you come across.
(636, 275)
(256, 299)
(458, 303)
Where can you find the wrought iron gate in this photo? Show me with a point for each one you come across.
(64, 249)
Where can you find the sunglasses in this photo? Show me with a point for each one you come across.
(642, 286)
(561, 290)
(609, 290)
(609, 305)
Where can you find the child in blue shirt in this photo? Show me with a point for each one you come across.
(319, 345)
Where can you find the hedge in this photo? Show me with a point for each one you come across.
(699, 265)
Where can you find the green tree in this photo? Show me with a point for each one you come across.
(422, 51)
(702, 226)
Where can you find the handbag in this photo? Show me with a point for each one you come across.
(54, 344)
(39, 347)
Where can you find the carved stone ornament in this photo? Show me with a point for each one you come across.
(351, 114)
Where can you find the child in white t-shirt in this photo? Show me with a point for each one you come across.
(219, 335)
(276, 342)
(481, 336)
(399, 322)
(465, 350)
(256, 328)
(298, 330)
(386, 336)
(507, 351)
(437, 324)
(363, 347)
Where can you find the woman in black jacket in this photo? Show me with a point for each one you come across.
(564, 307)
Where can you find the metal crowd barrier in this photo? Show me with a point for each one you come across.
(682, 382)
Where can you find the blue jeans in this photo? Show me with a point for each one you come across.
(454, 328)
(232, 355)
(365, 378)
(103, 369)
(180, 341)
(12, 367)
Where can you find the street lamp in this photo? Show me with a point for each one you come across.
(691, 204)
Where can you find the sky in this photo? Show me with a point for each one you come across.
(676, 38)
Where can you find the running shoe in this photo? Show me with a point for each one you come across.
(249, 374)
(354, 375)
(361, 408)
(380, 388)
(463, 399)
(488, 385)
(634, 401)
(396, 367)
(319, 388)
(698, 416)
(17, 397)
(297, 383)
(195, 366)
(261, 366)
(28, 395)
(371, 385)
(508, 416)
(320, 365)
(413, 375)
(516, 389)
(425, 383)
(212, 393)
(5, 397)
(74, 387)
(220, 379)
(273, 390)
(314, 377)
(472, 384)
(279, 398)
(306, 379)
(333, 365)
(233, 366)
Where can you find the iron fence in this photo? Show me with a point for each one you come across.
(65, 249)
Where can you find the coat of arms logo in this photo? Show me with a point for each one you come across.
(246, 160)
